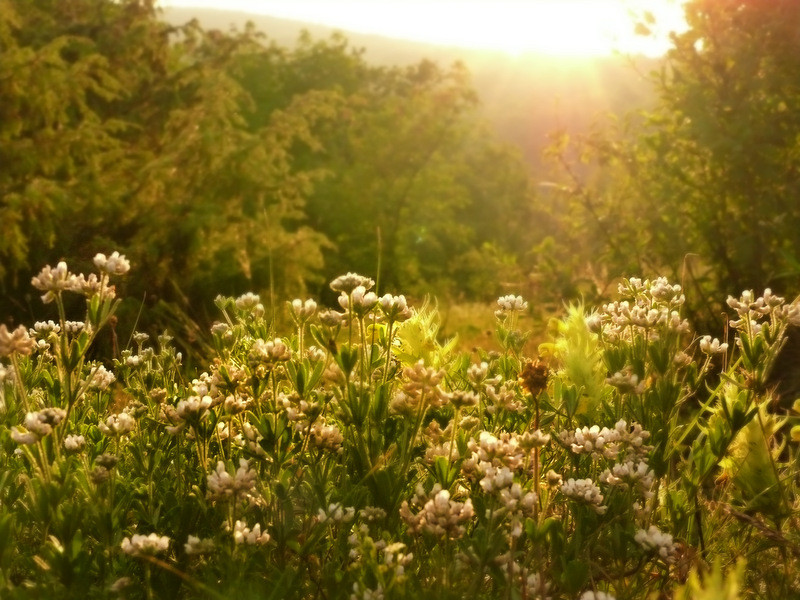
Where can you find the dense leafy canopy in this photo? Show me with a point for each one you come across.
(705, 187)
(219, 162)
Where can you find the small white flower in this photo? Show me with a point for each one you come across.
(74, 443)
(510, 304)
(37, 425)
(244, 535)
(20, 436)
(348, 283)
(268, 352)
(626, 382)
(584, 490)
(362, 300)
(18, 341)
(152, 544)
(53, 281)
(117, 425)
(100, 378)
(194, 407)
(336, 513)
(656, 540)
(709, 346)
(395, 307)
(251, 303)
(116, 264)
(302, 311)
(194, 546)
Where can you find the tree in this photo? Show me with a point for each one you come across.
(120, 132)
(704, 187)
(410, 172)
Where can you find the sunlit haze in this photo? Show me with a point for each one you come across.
(556, 27)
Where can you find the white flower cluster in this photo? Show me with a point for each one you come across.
(463, 398)
(53, 281)
(503, 397)
(500, 451)
(495, 478)
(222, 485)
(651, 306)
(533, 439)
(194, 546)
(662, 291)
(315, 354)
(250, 439)
(372, 513)
(116, 264)
(421, 385)
(494, 460)
(518, 504)
(37, 425)
(396, 559)
(42, 329)
(242, 534)
(301, 310)
(710, 347)
(633, 474)
(268, 353)
(627, 382)
(477, 374)
(445, 449)
(439, 515)
(336, 513)
(152, 544)
(100, 378)
(359, 301)
(584, 490)
(656, 540)
(326, 437)
(194, 408)
(349, 282)
(593, 440)
(117, 425)
(395, 308)
(235, 404)
(18, 341)
(74, 443)
(751, 310)
(331, 318)
(510, 304)
(605, 442)
(250, 303)
(299, 410)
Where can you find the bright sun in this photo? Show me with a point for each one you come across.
(556, 27)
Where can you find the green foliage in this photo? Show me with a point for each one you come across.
(702, 186)
(717, 585)
(357, 456)
(219, 162)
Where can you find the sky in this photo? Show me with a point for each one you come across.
(556, 27)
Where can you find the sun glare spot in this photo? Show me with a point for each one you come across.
(555, 27)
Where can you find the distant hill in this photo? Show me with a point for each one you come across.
(524, 97)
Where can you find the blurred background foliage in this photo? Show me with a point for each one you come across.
(704, 187)
(221, 162)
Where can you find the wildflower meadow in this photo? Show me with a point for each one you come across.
(357, 455)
